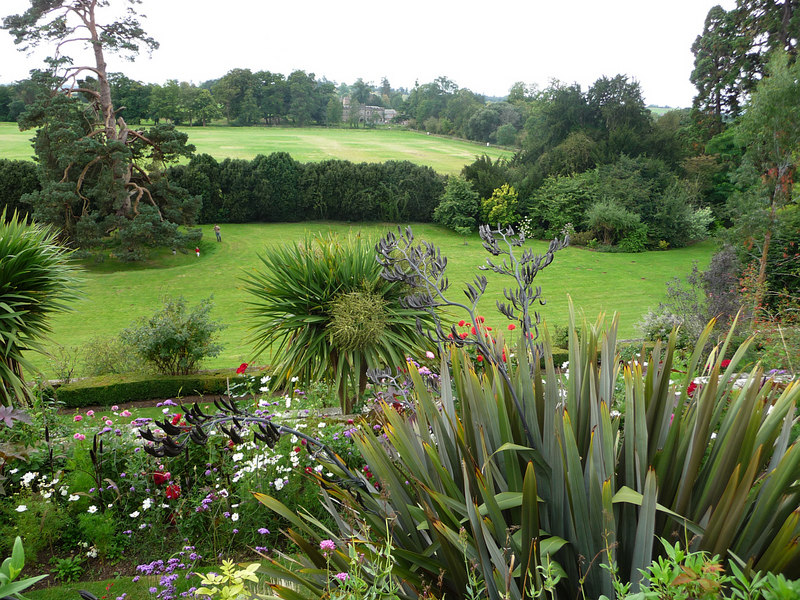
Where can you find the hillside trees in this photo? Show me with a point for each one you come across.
(770, 130)
(99, 177)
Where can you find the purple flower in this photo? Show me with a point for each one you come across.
(342, 576)
(263, 531)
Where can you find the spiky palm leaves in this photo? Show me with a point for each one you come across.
(36, 281)
(325, 312)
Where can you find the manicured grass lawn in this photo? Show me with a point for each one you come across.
(310, 144)
(116, 294)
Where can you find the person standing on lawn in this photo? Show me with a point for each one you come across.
(217, 233)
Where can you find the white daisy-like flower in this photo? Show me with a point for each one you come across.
(278, 483)
(21, 508)
(147, 503)
(92, 509)
(134, 514)
(235, 517)
(73, 498)
(294, 379)
(237, 457)
(321, 424)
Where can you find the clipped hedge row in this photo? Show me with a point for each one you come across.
(116, 389)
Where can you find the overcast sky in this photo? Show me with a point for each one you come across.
(483, 46)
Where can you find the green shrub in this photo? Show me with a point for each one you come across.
(109, 356)
(635, 240)
(116, 389)
(175, 340)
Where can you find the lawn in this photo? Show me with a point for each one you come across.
(309, 144)
(114, 295)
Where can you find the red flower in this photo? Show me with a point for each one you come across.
(488, 329)
(161, 478)
(474, 332)
(242, 368)
(309, 470)
(176, 419)
(479, 319)
(725, 363)
(463, 336)
(511, 327)
(504, 356)
(690, 390)
(297, 449)
(480, 358)
(461, 323)
(173, 492)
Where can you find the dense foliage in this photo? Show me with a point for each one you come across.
(277, 188)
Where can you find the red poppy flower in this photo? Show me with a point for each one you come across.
(480, 358)
(463, 336)
(691, 389)
(511, 327)
(461, 323)
(161, 478)
(474, 332)
(479, 319)
(242, 368)
(173, 492)
(488, 329)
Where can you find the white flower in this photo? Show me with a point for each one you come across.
(235, 517)
(614, 414)
(265, 378)
(23, 508)
(165, 411)
(288, 402)
(321, 424)
(64, 491)
(73, 498)
(278, 483)
(237, 457)
(714, 435)
(147, 503)
(135, 514)
(294, 379)
(92, 509)
(263, 388)
(12, 471)
(46, 495)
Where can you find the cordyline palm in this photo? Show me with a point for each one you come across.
(36, 281)
(301, 312)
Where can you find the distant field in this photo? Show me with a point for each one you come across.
(115, 295)
(308, 144)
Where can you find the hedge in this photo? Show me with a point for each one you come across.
(116, 389)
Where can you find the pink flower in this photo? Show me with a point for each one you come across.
(342, 576)
(89, 413)
(125, 413)
(79, 437)
(109, 422)
(327, 545)
(78, 418)
(429, 354)
(115, 407)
